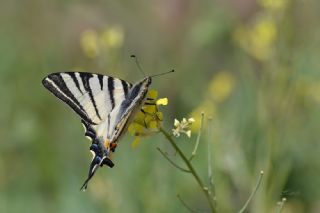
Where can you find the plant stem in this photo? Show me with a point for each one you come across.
(198, 138)
(281, 205)
(252, 194)
(173, 163)
(185, 204)
(210, 175)
(191, 168)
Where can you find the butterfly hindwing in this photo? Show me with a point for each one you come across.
(119, 118)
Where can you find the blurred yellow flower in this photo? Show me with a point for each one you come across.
(221, 86)
(149, 119)
(209, 107)
(93, 43)
(89, 43)
(136, 142)
(264, 32)
(258, 39)
(112, 37)
(273, 4)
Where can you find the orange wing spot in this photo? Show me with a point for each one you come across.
(113, 146)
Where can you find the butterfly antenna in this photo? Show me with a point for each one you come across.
(164, 73)
(138, 64)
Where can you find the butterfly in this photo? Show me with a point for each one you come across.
(105, 105)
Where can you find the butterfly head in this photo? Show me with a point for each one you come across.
(147, 81)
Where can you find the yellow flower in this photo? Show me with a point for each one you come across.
(221, 86)
(89, 43)
(209, 107)
(136, 142)
(257, 39)
(112, 37)
(148, 120)
(162, 101)
(93, 43)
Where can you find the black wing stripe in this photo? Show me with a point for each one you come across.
(85, 81)
(111, 91)
(100, 77)
(92, 96)
(59, 81)
(75, 80)
(56, 85)
(125, 88)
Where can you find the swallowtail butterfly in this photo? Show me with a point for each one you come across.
(105, 104)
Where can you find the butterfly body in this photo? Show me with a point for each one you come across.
(105, 105)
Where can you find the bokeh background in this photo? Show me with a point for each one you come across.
(252, 66)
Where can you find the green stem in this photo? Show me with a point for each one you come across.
(210, 175)
(198, 138)
(281, 205)
(185, 204)
(173, 163)
(252, 194)
(192, 170)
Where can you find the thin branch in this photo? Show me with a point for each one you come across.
(281, 205)
(185, 205)
(253, 193)
(191, 168)
(173, 163)
(198, 138)
(210, 176)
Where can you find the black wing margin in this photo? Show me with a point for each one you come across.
(57, 86)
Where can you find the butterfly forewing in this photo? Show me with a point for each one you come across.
(91, 96)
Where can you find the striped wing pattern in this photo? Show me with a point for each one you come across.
(105, 105)
(91, 96)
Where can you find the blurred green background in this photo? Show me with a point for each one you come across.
(252, 66)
